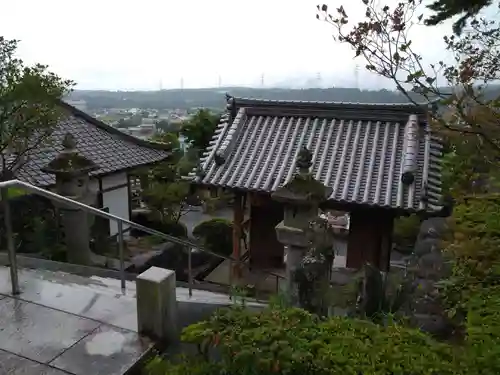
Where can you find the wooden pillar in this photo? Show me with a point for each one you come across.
(238, 216)
(370, 238)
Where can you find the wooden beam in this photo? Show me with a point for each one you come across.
(238, 216)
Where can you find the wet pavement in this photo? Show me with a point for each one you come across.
(68, 324)
(57, 329)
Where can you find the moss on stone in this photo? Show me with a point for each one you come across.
(303, 188)
(70, 162)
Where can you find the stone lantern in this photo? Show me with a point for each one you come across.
(72, 181)
(301, 198)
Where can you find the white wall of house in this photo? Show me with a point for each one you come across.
(117, 200)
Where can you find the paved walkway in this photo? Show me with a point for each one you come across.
(46, 332)
(67, 324)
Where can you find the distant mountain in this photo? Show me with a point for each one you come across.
(215, 97)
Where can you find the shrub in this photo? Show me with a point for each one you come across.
(292, 341)
(216, 235)
(483, 333)
(175, 229)
(473, 253)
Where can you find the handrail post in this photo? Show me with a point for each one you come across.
(230, 281)
(9, 234)
(190, 271)
(121, 255)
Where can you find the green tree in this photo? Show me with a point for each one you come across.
(29, 110)
(168, 138)
(200, 128)
(163, 125)
(167, 193)
(465, 10)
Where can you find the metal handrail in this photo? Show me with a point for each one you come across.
(5, 185)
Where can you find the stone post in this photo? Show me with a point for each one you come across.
(157, 304)
(72, 181)
(301, 198)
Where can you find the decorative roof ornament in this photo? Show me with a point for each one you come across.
(304, 160)
(200, 172)
(229, 102)
(230, 107)
(69, 143)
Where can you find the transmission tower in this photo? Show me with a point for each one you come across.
(182, 83)
(262, 80)
(356, 76)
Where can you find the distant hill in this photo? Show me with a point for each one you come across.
(214, 97)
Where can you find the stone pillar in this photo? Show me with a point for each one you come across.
(429, 267)
(157, 304)
(301, 198)
(72, 181)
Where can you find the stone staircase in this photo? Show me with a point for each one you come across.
(63, 323)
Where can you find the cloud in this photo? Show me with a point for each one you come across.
(111, 44)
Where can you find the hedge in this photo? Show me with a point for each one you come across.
(216, 234)
(292, 341)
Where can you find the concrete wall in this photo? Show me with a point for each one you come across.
(117, 200)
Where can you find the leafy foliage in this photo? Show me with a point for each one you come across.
(446, 9)
(200, 128)
(473, 251)
(28, 107)
(166, 193)
(483, 332)
(406, 230)
(292, 341)
(170, 139)
(167, 200)
(216, 235)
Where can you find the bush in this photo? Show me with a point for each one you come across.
(175, 229)
(216, 235)
(292, 341)
(483, 333)
(473, 253)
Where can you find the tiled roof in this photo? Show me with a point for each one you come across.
(106, 146)
(370, 154)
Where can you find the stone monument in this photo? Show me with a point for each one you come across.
(301, 198)
(72, 181)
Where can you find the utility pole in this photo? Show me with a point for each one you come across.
(356, 76)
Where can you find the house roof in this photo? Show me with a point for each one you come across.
(109, 148)
(369, 154)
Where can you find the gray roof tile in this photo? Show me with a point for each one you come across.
(360, 150)
(106, 146)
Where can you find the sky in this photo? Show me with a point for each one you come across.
(152, 44)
